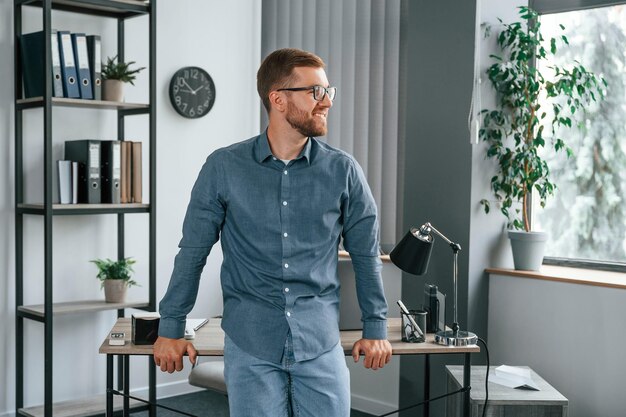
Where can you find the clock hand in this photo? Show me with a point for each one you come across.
(192, 91)
(198, 89)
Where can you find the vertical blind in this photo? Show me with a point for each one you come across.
(359, 40)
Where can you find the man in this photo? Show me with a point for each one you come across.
(279, 203)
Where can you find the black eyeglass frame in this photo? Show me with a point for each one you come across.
(314, 88)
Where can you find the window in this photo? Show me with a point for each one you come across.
(586, 219)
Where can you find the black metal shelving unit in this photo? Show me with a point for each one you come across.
(121, 10)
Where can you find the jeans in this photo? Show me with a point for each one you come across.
(318, 387)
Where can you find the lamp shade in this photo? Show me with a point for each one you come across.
(413, 252)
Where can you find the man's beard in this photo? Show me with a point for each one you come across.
(304, 123)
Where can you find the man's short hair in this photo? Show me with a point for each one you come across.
(276, 71)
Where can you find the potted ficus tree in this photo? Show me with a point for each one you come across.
(115, 278)
(114, 75)
(534, 102)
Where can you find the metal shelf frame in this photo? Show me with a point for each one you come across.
(119, 10)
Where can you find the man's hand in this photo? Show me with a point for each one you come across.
(377, 352)
(168, 353)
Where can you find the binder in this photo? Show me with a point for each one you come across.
(110, 167)
(126, 149)
(136, 173)
(32, 48)
(74, 182)
(87, 153)
(81, 58)
(68, 66)
(65, 181)
(94, 51)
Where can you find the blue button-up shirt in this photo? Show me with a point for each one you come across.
(280, 227)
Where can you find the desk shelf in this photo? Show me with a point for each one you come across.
(73, 307)
(90, 406)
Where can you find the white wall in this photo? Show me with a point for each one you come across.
(570, 334)
(221, 37)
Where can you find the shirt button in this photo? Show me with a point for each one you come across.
(285, 171)
(286, 289)
(288, 314)
(286, 265)
(284, 203)
(285, 234)
(274, 158)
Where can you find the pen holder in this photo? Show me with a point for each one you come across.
(409, 333)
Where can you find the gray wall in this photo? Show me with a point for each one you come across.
(445, 176)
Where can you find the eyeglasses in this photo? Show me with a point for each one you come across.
(318, 91)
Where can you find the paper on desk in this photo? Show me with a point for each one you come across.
(513, 377)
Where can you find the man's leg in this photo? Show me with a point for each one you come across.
(255, 387)
(321, 386)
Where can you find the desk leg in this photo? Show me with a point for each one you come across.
(109, 408)
(466, 383)
(426, 385)
(152, 386)
(126, 385)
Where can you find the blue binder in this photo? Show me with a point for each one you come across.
(68, 66)
(32, 54)
(81, 58)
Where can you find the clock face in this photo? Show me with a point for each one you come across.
(192, 92)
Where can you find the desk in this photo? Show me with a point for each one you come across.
(209, 341)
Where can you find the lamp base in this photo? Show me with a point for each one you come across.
(458, 338)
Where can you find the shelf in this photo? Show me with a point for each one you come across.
(78, 209)
(91, 406)
(73, 307)
(109, 8)
(131, 108)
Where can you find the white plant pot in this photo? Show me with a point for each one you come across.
(528, 249)
(115, 290)
(113, 90)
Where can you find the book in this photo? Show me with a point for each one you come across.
(136, 180)
(65, 181)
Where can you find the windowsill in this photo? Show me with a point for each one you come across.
(569, 275)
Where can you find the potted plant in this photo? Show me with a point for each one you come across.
(532, 107)
(114, 75)
(115, 278)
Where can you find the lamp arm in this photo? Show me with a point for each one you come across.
(426, 230)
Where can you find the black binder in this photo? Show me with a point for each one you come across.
(87, 153)
(110, 170)
(95, 65)
(32, 55)
(81, 58)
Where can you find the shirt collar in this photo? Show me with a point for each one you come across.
(263, 150)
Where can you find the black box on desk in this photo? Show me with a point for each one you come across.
(145, 328)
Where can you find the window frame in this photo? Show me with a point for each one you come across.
(561, 6)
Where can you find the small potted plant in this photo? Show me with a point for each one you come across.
(531, 109)
(114, 75)
(115, 278)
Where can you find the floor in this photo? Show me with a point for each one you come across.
(203, 404)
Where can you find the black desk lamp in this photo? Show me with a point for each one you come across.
(412, 255)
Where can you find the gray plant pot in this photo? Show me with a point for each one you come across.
(528, 249)
(115, 290)
(113, 90)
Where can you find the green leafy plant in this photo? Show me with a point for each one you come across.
(515, 130)
(121, 71)
(120, 269)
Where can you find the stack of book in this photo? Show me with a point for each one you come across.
(76, 64)
(100, 171)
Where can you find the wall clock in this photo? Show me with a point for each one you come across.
(192, 92)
